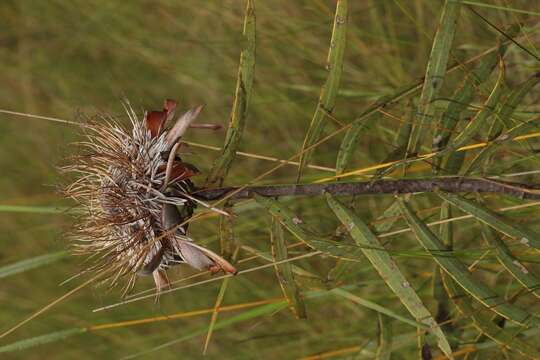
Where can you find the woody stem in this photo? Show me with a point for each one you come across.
(404, 186)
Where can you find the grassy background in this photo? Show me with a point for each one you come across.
(76, 59)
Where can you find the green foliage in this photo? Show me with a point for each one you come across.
(329, 90)
(284, 271)
(242, 96)
(396, 73)
(28, 264)
(41, 340)
(459, 273)
(388, 270)
(435, 73)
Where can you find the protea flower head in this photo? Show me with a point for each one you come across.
(134, 193)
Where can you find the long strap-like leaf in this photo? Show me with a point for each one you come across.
(458, 271)
(329, 90)
(435, 71)
(487, 216)
(242, 96)
(388, 270)
(483, 322)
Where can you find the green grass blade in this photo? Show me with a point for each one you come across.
(523, 275)
(41, 340)
(33, 209)
(482, 116)
(482, 321)
(329, 90)
(455, 161)
(383, 224)
(384, 348)
(217, 305)
(459, 272)
(503, 8)
(496, 139)
(244, 316)
(446, 233)
(404, 133)
(295, 226)
(487, 216)
(487, 62)
(516, 97)
(378, 308)
(390, 215)
(227, 239)
(28, 264)
(400, 145)
(229, 251)
(284, 271)
(509, 106)
(465, 94)
(388, 270)
(242, 98)
(302, 277)
(495, 144)
(435, 71)
(352, 136)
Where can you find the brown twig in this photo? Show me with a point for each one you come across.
(405, 186)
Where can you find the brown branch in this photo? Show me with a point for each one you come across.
(405, 186)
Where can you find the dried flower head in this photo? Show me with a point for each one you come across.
(134, 193)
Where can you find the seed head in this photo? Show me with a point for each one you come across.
(133, 191)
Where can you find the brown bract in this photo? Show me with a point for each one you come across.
(133, 190)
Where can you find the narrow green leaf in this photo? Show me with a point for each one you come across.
(496, 139)
(226, 233)
(295, 225)
(496, 143)
(465, 94)
(503, 8)
(458, 271)
(515, 267)
(217, 304)
(384, 348)
(329, 90)
(28, 264)
(284, 271)
(487, 216)
(509, 106)
(481, 117)
(244, 316)
(404, 133)
(33, 209)
(41, 340)
(302, 277)
(482, 321)
(435, 71)
(516, 97)
(383, 224)
(439, 294)
(388, 218)
(455, 161)
(352, 136)
(400, 144)
(388, 270)
(378, 308)
(242, 97)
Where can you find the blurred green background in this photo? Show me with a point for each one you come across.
(78, 59)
